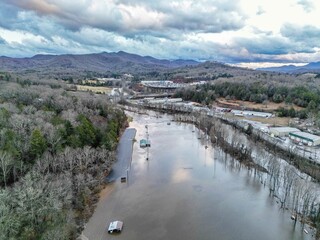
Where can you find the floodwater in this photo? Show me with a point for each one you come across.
(188, 191)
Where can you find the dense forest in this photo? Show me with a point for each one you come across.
(56, 147)
(301, 96)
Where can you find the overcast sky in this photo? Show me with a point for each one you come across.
(231, 31)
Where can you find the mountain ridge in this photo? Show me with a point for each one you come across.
(312, 67)
(99, 62)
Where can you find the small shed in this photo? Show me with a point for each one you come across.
(282, 131)
(305, 138)
(143, 143)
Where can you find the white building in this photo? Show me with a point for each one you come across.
(282, 131)
(251, 113)
(305, 138)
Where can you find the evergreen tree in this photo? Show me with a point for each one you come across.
(38, 144)
(86, 132)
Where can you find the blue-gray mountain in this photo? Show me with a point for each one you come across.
(97, 62)
(313, 67)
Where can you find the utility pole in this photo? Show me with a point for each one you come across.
(148, 144)
(206, 146)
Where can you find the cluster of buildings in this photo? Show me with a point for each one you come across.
(296, 135)
(165, 86)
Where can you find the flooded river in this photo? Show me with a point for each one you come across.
(188, 191)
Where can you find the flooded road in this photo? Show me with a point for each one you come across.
(187, 191)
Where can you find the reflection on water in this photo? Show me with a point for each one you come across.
(186, 191)
(181, 175)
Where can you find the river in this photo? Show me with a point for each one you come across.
(187, 191)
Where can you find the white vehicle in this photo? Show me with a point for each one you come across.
(115, 226)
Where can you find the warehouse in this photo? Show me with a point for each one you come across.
(251, 113)
(282, 131)
(305, 138)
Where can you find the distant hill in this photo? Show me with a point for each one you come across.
(69, 66)
(97, 62)
(313, 67)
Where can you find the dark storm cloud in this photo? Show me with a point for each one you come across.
(292, 41)
(128, 17)
(163, 29)
(13, 19)
(145, 27)
(304, 35)
(69, 14)
(8, 16)
(265, 45)
(201, 16)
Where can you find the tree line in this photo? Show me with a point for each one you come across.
(55, 149)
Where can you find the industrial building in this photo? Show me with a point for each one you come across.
(160, 86)
(251, 113)
(305, 138)
(162, 100)
(282, 131)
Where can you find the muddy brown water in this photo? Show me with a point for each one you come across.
(187, 191)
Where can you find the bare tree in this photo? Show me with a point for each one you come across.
(6, 164)
(289, 177)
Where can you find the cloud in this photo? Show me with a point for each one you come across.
(2, 41)
(221, 30)
(307, 35)
(8, 15)
(260, 11)
(133, 17)
(265, 45)
(145, 27)
(307, 5)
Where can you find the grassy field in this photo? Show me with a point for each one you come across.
(268, 107)
(274, 121)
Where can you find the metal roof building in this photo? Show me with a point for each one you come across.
(282, 131)
(251, 113)
(306, 138)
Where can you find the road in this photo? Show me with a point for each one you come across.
(95, 228)
(124, 155)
